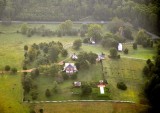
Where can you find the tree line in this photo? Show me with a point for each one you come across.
(141, 13)
(152, 89)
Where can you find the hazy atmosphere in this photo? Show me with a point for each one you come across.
(79, 56)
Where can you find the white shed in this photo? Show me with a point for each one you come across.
(120, 47)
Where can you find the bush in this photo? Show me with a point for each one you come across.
(118, 56)
(77, 44)
(7, 68)
(148, 61)
(34, 73)
(41, 110)
(113, 52)
(134, 45)
(34, 95)
(64, 53)
(121, 85)
(26, 48)
(65, 76)
(86, 89)
(125, 51)
(48, 93)
(86, 40)
(14, 70)
(74, 76)
(128, 33)
(146, 70)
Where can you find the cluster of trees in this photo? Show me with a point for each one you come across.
(54, 90)
(25, 30)
(30, 87)
(85, 59)
(12, 70)
(108, 39)
(77, 44)
(65, 28)
(144, 39)
(43, 53)
(152, 90)
(144, 13)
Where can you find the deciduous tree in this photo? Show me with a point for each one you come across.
(77, 44)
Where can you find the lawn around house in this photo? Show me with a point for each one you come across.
(125, 70)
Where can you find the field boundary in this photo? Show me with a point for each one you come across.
(66, 101)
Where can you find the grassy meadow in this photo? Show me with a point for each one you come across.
(11, 94)
(128, 71)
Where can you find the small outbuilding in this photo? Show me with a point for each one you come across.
(74, 57)
(92, 41)
(77, 84)
(101, 86)
(101, 57)
(120, 47)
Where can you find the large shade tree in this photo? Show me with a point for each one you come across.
(77, 44)
(53, 53)
(95, 32)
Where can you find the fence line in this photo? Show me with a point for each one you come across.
(66, 101)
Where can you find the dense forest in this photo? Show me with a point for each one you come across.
(141, 13)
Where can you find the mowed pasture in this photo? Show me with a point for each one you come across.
(128, 71)
(90, 107)
(140, 52)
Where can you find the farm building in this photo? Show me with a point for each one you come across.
(70, 68)
(101, 57)
(74, 57)
(101, 86)
(92, 41)
(77, 84)
(120, 47)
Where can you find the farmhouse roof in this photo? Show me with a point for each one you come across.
(70, 68)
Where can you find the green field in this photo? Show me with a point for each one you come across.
(124, 69)
(141, 53)
(127, 71)
(11, 94)
(12, 47)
